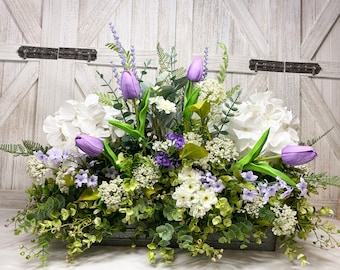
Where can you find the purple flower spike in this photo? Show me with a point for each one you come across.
(294, 155)
(90, 145)
(195, 70)
(129, 85)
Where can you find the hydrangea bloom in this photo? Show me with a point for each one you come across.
(74, 118)
(257, 115)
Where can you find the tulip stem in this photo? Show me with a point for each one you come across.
(136, 113)
(264, 158)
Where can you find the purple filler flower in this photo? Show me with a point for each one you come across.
(81, 178)
(163, 159)
(294, 155)
(249, 195)
(177, 139)
(195, 70)
(249, 176)
(302, 186)
(92, 181)
(90, 145)
(129, 85)
(55, 155)
(209, 180)
(111, 172)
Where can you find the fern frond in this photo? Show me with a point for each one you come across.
(163, 59)
(233, 90)
(27, 148)
(105, 98)
(315, 140)
(223, 68)
(112, 46)
(179, 73)
(323, 179)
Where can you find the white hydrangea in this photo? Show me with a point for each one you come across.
(285, 221)
(74, 118)
(256, 116)
(162, 104)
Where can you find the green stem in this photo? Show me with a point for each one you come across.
(136, 113)
(264, 158)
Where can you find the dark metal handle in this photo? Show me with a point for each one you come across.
(279, 66)
(55, 53)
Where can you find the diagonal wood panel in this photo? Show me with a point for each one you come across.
(320, 29)
(321, 113)
(97, 19)
(248, 26)
(85, 79)
(26, 16)
(17, 90)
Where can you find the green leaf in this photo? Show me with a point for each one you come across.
(202, 108)
(127, 128)
(143, 110)
(165, 231)
(109, 151)
(89, 195)
(223, 68)
(192, 99)
(253, 153)
(265, 168)
(193, 151)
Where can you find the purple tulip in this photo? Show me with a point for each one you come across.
(195, 70)
(129, 85)
(90, 145)
(297, 155)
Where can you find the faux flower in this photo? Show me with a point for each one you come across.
(129, 85)
(80, 117)
(256, 115)
(90, 145)
(195, 70)
(294, 155)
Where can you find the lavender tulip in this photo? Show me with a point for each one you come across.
(195, 70)
(297, 155)
(90, 145)
(129, 85)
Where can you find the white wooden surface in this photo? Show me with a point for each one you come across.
(282, 30)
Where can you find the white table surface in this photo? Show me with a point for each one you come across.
(124, 258)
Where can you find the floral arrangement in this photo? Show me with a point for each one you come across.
(177, 161)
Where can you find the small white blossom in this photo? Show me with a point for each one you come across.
(285, 221)
(254, 207)
(112, 193)
(191, 137)
(162, 104)
(146, 175)
(36, 169)
(220, 150)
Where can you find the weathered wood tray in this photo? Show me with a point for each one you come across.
(125, 239)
